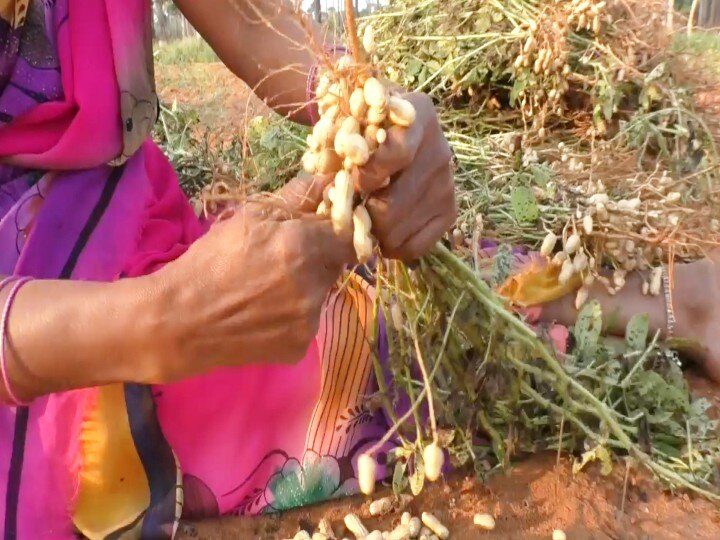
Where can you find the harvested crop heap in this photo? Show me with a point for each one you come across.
(572, 137)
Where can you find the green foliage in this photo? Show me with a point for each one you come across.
(501, 392)
(262, 159)
(702, 43)
(275, 149)
(184, 51)
(184, 140)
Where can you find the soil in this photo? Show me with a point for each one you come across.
(224, 103)
(537, 496)
(532, 500)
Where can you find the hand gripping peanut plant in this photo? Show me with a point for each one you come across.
(355, 109)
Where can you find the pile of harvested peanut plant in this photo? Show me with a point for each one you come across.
(573, 137)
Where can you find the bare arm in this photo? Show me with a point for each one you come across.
(696, 305)
(264, 43)
(68, 334)
(617, 310)
(248, 291)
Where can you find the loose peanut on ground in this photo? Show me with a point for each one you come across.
(484, 521)
(401, 532)
(382, 506)
(355, 526)
(435, 525)
(324, 527)
(414, 525)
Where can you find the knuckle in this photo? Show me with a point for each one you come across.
(377, 207)
(290, 246)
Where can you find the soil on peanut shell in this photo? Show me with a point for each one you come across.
(537, 496)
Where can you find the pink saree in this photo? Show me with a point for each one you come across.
(85, 194)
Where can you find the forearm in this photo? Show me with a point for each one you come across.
(265, 43)
(617, 310)
(64, 335)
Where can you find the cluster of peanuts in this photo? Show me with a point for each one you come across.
(600, 223)
(545, 52)
(433, 460)
(425, 527)
(586, 14)
(356, 110)
(545, 57)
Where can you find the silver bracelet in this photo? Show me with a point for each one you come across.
(670, 315)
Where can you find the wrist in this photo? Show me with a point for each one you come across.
(146, 305)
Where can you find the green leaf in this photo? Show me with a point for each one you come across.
(608, 109)
(588, 326)
(502, 265)
(517, 89)
(524, 206)
(541, 175)
(414, 66)
(417, 480)
(656, 73)
(636, 333)
(398, 481)
(482, 22)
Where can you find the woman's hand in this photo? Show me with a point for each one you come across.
(413, 211)
(252, 289)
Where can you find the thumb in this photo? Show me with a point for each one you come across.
(304, 193)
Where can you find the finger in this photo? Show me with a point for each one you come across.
(396, 247)
(402, 144)
(391, 157)
(337, 249)
(304, 193)
(425, 239)
(331, 250)
(408, 202)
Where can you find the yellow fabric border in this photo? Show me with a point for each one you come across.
(114, 490)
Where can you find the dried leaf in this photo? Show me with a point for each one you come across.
(599, 453)
(417, 479)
